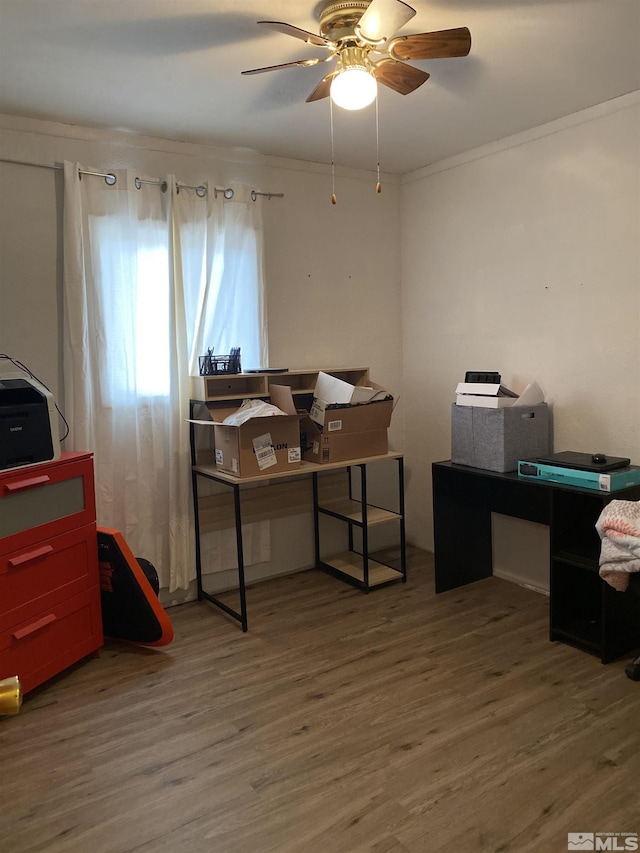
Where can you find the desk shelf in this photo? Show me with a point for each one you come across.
(584, 610)
(583, 556)
(351, 510)
(353, 566)
(580, 633)
(240, 386)
(587, 613)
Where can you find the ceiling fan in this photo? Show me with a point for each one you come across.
(361, 34)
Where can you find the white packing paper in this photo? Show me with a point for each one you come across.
(531, 396)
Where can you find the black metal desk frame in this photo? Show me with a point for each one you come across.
(308, 468)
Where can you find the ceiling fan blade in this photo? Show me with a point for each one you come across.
(400, 77)
(302, 63)
(296, 32)
(383, 18)
(323, 88)
(437, 45)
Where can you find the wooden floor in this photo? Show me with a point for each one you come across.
(394, 721)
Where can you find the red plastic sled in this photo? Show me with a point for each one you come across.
(131, 610)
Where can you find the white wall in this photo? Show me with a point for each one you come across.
(332, 272)
(524, 257)
(336, 270)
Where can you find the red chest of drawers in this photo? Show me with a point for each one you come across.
(50, 612)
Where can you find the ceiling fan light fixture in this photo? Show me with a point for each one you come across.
(354, 88)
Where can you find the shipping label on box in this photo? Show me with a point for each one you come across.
(265, 451)
(334, 425)
(316, 413)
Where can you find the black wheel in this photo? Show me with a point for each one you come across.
(150, 574)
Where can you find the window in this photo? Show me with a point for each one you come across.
(133, 303)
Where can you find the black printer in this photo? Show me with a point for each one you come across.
(28, 424)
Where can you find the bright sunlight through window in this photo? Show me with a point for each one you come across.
(133, 301)
(152, 311)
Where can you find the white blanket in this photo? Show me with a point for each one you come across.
(619, 529)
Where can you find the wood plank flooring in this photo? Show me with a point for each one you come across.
(394, 722)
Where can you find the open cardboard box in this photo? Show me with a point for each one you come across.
(357, 428)
(259, 446)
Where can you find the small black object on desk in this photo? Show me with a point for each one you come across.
(584, 461)
(491, 377)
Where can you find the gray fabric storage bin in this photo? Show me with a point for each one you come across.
(494, 439)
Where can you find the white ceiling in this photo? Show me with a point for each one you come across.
(171, 68)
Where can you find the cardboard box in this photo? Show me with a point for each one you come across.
(259, 446)
(495, 439)
(485, 401)
(350, 432)
(330, 391)
(347, 431)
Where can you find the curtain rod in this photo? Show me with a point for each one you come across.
(111, 179)
(268, 196)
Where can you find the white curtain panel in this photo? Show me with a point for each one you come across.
(128, 322)
(223, 265)
(219, 257)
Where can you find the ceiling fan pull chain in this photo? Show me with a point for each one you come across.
(334, 200)
(378, 184)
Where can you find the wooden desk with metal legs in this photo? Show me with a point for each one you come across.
(360, 570)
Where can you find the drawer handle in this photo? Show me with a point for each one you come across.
(14, 562)
(35, 626)
(28, 483)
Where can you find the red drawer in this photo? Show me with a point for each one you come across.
(42, 574)
(45, 500)
(38, 648)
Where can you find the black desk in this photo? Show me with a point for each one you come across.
(584, 610)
